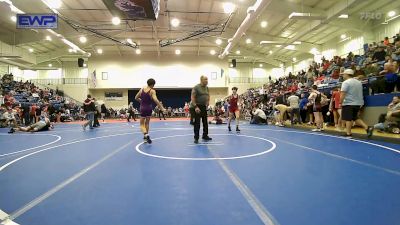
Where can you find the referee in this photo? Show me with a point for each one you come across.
(200, 102)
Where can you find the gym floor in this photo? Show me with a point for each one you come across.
(263, 175)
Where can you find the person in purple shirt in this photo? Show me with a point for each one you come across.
(146, 96)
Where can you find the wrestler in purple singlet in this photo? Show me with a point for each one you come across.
(146, 104)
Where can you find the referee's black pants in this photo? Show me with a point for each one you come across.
(203, 117)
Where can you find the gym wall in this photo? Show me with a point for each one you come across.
(169, 72)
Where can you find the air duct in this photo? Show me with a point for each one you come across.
(252, 13)
(306, 16)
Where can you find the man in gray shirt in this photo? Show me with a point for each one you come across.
(294, 102)
(200, 102)
(352, 99)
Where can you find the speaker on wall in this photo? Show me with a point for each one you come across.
(234, 63)
(81, 62)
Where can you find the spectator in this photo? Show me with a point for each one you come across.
(386, 41)
(294, 104)
(392, 115)
(379, 55)
(351, 97)
(281, 113)
(303, 107)
(9, 117)
(89, 108)
(258, 116)
(32, 113)
(96, 122)
(131, 113)
(42, 125)
(316, 99)
(335, 108)
(390, 77)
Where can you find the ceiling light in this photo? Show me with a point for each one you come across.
(48, 38)
(100, 51)
(238, 52)
(50, 65)
(175, 22)
(281, 65)
(74, 50)
(290, 47)
(391, 13)
(314, 51)
(278, 46)
(116, 20)
(70, 50)
(264, 24)
(218, 41)
(53, 4)
(83, 39)
(84, 65)
(14, 18)
(343, 16)
(129, 41)
(30, 50)
(138, 51)
(294, 59)
(261, 65)
(270, 51)
(229, 7)
(177, 51)
(297, 43)
(343, 36)
(248, 41)
(212, 52)
(231, 65)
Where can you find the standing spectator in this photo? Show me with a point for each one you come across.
(32, 113)
(200, 101)
(336, 108)
(160, 112)
(131, 113)
(294, 104)
(186, 109)
(89, 108)
(96, 113)
(103, 111)
(316, 99)
(351, 98)
(303, 107)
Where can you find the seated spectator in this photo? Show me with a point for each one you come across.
(9, 117)
(42, 125)
(258, 116)
(392, 115)
(390, 77)
(386, 41)
(379, 55)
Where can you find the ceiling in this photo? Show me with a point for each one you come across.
(194, 15)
